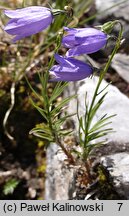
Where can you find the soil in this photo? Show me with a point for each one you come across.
(21, 159)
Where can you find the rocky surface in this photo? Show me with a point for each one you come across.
(118, 167)
(117, 143)
(117, 8)
(115, 103)
(60, 178)
(121, 64)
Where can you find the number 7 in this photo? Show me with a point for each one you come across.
(120, 205)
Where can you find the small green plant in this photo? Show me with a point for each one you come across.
(94, 131)
(10, 186)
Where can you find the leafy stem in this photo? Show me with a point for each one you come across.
(48, 103)
(90, 113)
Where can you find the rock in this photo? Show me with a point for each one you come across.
(117, 143)
(102, 5)
(120, 63)
(118, 167)
(118, 8)
(115, 103)
(111, 10)
(60, 183)
(59, 177)
(124, 45)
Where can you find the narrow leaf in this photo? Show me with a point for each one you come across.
(61, 105)
(59, 88)
(40, 110)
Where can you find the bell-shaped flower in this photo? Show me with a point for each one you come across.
(83, 40)
(27, 21)
(69, 69)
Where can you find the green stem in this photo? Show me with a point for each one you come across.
(57, 140)
(23, 3)
(102, 74)
(54, 133)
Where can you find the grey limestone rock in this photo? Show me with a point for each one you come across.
(120, 63)
(59, 177)
(118, 167)
(115, 103)
(118, 8)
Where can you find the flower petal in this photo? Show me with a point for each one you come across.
(23, 12)
(28, 21)
(78, 63)
(89, 34)
(27, 26)
(83, 41)
(64, 61)
(69, 77)
(86, 48)
(71, 30)
(62, 69)
(18, 37)
(64, 72)
(69, 41)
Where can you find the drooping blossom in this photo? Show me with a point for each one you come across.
(69, 69)
(83, 40)
(27, 21)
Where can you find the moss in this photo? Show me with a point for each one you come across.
(105, 186)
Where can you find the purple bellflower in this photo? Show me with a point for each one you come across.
(69, 69)
(83, 41)
(27, 21)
